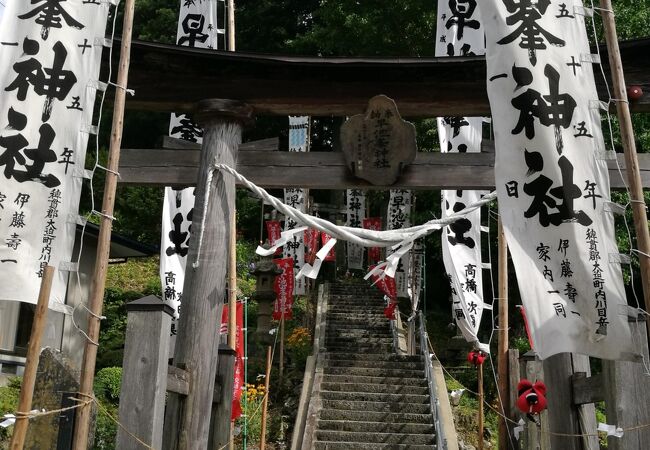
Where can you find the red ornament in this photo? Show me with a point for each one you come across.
(389, 311)
(532, 397)
(634, 92)
(476, 357)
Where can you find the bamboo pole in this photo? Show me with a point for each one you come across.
(281, 363)
(502, 355)
(629, 147)
(232, 283)
(265, 403)
(481, 396)
(31, 364)
(82, 426)
(231, 25)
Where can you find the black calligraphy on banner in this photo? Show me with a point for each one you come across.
(462, 13)
(50, 82)
(50, 14)
(525, 15)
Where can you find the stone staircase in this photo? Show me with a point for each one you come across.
(369, 397)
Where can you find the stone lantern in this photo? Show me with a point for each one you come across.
(265, 272)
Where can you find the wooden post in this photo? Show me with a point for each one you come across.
(222, 400)
(502, 352)
(619, 92)
(188, 420)
(265, 403)
(96, 301)
(481, 397)
(562, 412)
(31, 364)
(144, 373)
(231, 25)
(281, 362)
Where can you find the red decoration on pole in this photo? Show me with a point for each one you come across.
(331, 255)
(532, 397)
(634, 92)
(283, 288)
(311, 242)
(386, 285)
(523, 315)
(373, 223)
(239, 357)
(476, 357)
(389, 311)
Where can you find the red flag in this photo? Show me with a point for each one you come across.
(331, 255)
(283, 288)
(373, 223)
(273, 231)
(311, 242)
(239, 358)
(386, 285)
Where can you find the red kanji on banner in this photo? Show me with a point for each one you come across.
(331, 255)
(311, 242)
(283, 288)
(239, 357)
(386, 285)
(273, 231)
(373, 223)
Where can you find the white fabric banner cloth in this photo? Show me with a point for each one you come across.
(200, 25)
(295, 248)
(399, 216)
(460, 33)
(552, 178)
(356, 212)
(50, 54)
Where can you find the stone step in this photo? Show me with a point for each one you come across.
(370, 372)
(334, 348)
(375, 388)
(329, 445)
(352, 405)
(374, 416)
(358, 332)
(380, 380)
(398, 365)
(382, 438)
(346, 326)
(374, 357)
(358, 323)
(376, 427)
(375, 397)
(358, 340)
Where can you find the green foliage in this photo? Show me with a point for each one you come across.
(107, 391)
(8, 405)
(520, 343)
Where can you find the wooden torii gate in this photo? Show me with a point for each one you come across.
(224, 91)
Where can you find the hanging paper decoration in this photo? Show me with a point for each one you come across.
(399, 216)
(295, 248)
(356, 212)
(416, 279)
(552, 179)
(284, 288)
(374, 253)
(460, 33)
(239, 357)
(51, 55)
(198, 26)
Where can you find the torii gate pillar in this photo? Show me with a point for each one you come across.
(187, 420)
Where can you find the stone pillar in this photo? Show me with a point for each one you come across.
(144, 372)
(187, 420)
(222, 400)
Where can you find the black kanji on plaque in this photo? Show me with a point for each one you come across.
(193, 25)
(459, 228)
(526, 13)
(551, 109)
(560, 199)
(51, 14)
(51, 82)
(461, 16)
(178, 237)
(189, 131)
(14, 144)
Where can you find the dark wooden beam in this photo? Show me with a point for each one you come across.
(327, 170)
(587, 389)
(172, 78)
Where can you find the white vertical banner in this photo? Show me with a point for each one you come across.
(356, 212)
(399, 216)
(416, 276)
(552, 178)
(50, 55)
(460, 33)
(295, 248)
(201, 25)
